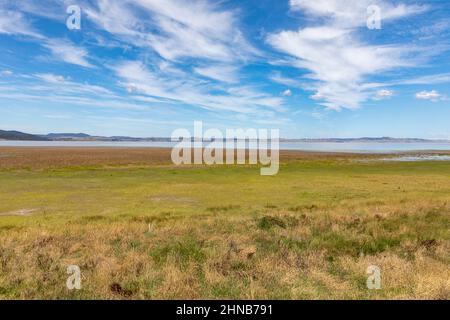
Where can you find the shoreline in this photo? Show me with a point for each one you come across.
(60, 157)
(336, 152)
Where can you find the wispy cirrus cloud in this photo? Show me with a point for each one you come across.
(53, 88)
(221, 73)
(277, 77)
(169, 32)
(353, 13)
(174, 29)
(428, 79)
(198, 31)
(336, 60)
(193, 91)
(209, 58)
(65, 85)
(66, 51)
(15, 23)
(6, 73)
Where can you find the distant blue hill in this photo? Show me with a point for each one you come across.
(17, 135)
(67, 135)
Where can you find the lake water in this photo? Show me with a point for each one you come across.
(418, 158)
(357, 147)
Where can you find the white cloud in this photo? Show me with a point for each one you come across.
(286, 93)
(51, 98)
(114, 17)
(337, 60)
(317, 96)
(171, 32)
(432, 95)
(222, 73)
(278, 78)
(430, 79)
(353, 13)
(317, 115)
(175, 29)
(52, 88)
(14, 23)
(49, 9)
(383, 94)
(65, 86)
(68, 52)
(52, 78)
(193, 91)
(6, 73)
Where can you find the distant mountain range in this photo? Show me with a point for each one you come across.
(21, 136)
(17, 135)
(67, 136)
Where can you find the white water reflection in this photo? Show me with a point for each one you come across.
(418, 158)
(356, 147)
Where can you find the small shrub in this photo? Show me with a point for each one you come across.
(184, 251)
(268, 222)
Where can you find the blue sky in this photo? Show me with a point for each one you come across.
(311, 68)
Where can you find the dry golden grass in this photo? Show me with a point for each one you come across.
(186, 259)
(61, 157)
(41, 158)
(158, 232)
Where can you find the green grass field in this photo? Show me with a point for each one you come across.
(165, 232)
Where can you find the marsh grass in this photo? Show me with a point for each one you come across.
(226, 232)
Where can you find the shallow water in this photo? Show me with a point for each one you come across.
(357, 147)
(418, 158)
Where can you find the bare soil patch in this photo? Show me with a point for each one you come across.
(21, 212)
